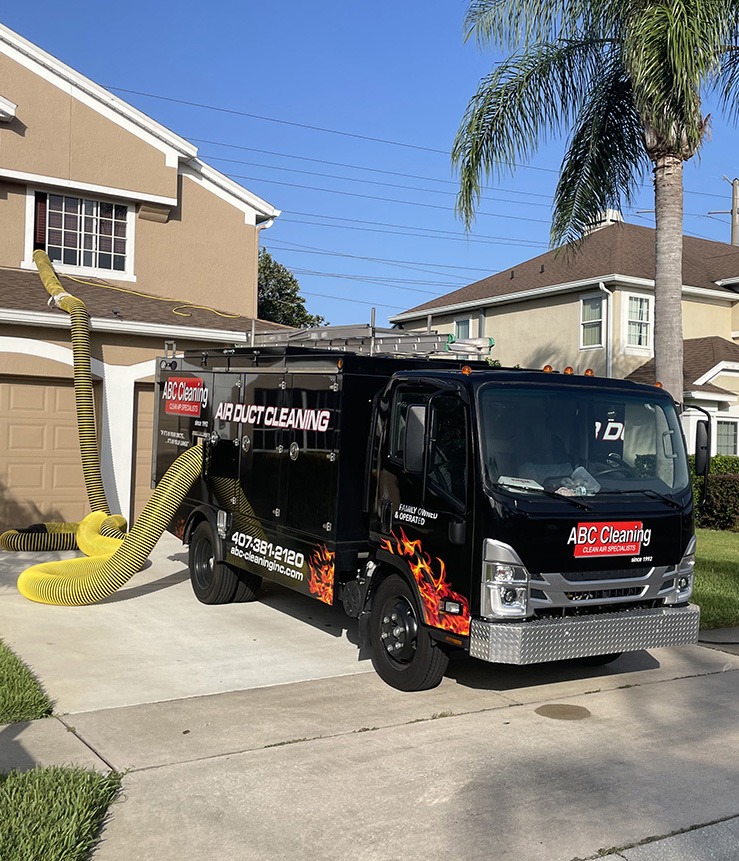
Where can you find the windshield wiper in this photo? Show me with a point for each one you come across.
(648, 490)
(550, 493)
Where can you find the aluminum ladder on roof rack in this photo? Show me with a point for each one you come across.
(370, 340)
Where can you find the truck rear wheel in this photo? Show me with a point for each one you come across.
(403, 654)
(212, 582)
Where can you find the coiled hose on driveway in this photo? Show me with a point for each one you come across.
(111, 562)
(113, 556)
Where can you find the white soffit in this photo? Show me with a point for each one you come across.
(7, 110)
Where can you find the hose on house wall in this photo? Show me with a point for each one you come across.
(83, 395)
(111, 562)
(112, 557)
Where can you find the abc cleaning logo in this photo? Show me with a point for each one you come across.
(184, 396)
(623, 538)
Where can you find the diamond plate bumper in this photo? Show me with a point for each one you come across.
(539, 640)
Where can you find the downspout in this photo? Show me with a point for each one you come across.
(609, 328)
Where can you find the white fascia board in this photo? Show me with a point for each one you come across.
(61, 321)
(711, 396)
(536, 293)
(70, 81)
(7, 110)
(720, 368)
(228, 190)
(539, 292)
(92, 188)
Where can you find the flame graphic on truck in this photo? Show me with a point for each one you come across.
(433, 587)
(321, 582)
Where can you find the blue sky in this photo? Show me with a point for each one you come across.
(364, 223)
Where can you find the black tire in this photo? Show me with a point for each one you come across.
(599, 660)
(248, 587)
(212, 582)
(406, 657)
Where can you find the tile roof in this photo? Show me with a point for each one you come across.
(623, 249)
(22, 290)
(699, 356)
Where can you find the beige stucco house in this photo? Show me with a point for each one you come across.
(595, 309)
(161, 247)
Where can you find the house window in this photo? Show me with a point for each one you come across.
(591, 321)
(462, 328)
(638, 322)
(81, 232)
(726, 437)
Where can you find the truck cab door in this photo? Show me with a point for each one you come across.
(425, 502)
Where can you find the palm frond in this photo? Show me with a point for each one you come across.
(670, 51)
(517, 106)
(605, 159)
(507, 24)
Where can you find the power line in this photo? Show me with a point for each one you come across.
(383, 199)
(370, 138)
(311, 249)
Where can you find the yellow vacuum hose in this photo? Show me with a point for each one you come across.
(111, 562)
(112, 557)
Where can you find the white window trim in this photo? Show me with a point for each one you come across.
(600, 344)
(128, 274)
(467, 320)
(728, 421)
(631, 349)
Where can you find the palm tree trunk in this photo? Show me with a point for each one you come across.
(668, 276)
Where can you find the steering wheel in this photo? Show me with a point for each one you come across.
(618, 465)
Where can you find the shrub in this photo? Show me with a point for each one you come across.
(721, 510)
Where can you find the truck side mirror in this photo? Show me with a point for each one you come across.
(415, 432)
(702, 447)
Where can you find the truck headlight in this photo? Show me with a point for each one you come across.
(684, 574)
(505, 583)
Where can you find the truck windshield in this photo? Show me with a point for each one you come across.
(579, 443)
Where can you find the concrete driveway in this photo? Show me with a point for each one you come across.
(259, 731)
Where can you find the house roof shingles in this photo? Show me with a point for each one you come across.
(699, 356)
(620, 248)
(22, 290)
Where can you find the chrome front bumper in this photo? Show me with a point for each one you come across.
(538, 640)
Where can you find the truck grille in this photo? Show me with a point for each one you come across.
(605, 574)
(601, 594)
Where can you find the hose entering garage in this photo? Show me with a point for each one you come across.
(112, 556)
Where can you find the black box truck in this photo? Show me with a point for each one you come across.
(524, 516)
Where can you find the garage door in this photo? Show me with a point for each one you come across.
(40, 469)
(142, 443)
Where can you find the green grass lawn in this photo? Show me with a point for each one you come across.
(717, 578)
(21, 696)
(52, 813)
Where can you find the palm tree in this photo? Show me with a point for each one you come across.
(622, 78)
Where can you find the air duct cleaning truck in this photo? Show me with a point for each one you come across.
(522, 516)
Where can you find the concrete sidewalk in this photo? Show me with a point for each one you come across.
(260, 732)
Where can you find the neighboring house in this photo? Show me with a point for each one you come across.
(711, 380)
(595, 309)
(148, 235)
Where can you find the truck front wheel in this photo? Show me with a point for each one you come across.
(403, 654)
(216, 582)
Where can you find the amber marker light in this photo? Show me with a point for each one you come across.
(569, 370)
(466, 370)
(658, 385)
(340, 364)
(589, 372)
(547, 369)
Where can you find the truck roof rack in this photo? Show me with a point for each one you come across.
(370, 340)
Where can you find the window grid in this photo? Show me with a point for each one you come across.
(88, 233)
(638, 322)
(591, 322)
(726, 437)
